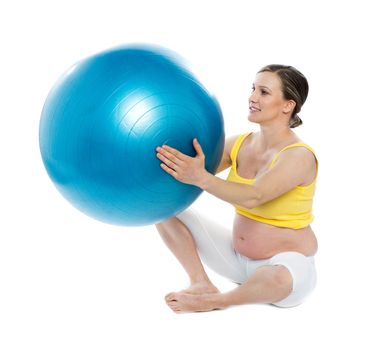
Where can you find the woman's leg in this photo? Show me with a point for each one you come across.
(285, 280)
(191, 237)
(179, 240)
(268, 284)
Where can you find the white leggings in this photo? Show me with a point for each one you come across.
(215, 248)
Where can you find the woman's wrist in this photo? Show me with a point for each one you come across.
(205, 180)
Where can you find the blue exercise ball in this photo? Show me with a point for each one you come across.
(101, 124)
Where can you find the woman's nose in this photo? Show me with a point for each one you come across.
(252, 97)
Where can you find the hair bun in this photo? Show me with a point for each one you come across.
(295, 121)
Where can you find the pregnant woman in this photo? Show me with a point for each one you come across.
(269, 252)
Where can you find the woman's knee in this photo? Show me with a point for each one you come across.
(167, 223)
(282, 278)
(168, 227)
(303, 274)
(276, 281)
(276, 276)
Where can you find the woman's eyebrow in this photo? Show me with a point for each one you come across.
(262, 86)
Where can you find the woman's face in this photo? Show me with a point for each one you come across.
(266, 102)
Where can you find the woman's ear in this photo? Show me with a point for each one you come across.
(289, 106)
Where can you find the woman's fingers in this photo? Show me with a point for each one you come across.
(174, 152)
(198, 148)
(169, 170)
(169, 161)
(182, 167)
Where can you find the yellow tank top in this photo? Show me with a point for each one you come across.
(293, 209)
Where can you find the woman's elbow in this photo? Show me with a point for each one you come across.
(253, 202)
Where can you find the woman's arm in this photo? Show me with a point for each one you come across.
(240, 194)
(225, 161)
(289, 171)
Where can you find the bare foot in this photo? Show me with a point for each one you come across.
(185, 302)
(203, 287)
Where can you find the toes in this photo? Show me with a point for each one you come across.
(170, 297)
(173, 296)
(174, 306)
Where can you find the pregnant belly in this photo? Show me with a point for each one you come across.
(257, 240)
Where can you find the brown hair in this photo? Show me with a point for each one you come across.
(294, 87)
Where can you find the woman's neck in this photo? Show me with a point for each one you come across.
(273, 135)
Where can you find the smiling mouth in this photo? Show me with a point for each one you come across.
(253, 109)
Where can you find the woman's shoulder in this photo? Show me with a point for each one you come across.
(298, 146)
(226, 159)
(300, 154)
(234, 141)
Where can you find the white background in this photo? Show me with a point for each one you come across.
(70, 282)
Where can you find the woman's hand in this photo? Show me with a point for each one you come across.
(189, 170)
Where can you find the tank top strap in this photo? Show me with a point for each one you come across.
(293, 145)
(236, 148)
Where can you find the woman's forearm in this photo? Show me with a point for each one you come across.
(191, 170)
(236, 193)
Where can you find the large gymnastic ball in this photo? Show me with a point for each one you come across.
(102, 122)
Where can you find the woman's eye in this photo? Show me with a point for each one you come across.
(264, 92)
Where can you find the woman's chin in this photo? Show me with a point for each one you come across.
(252, 118)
